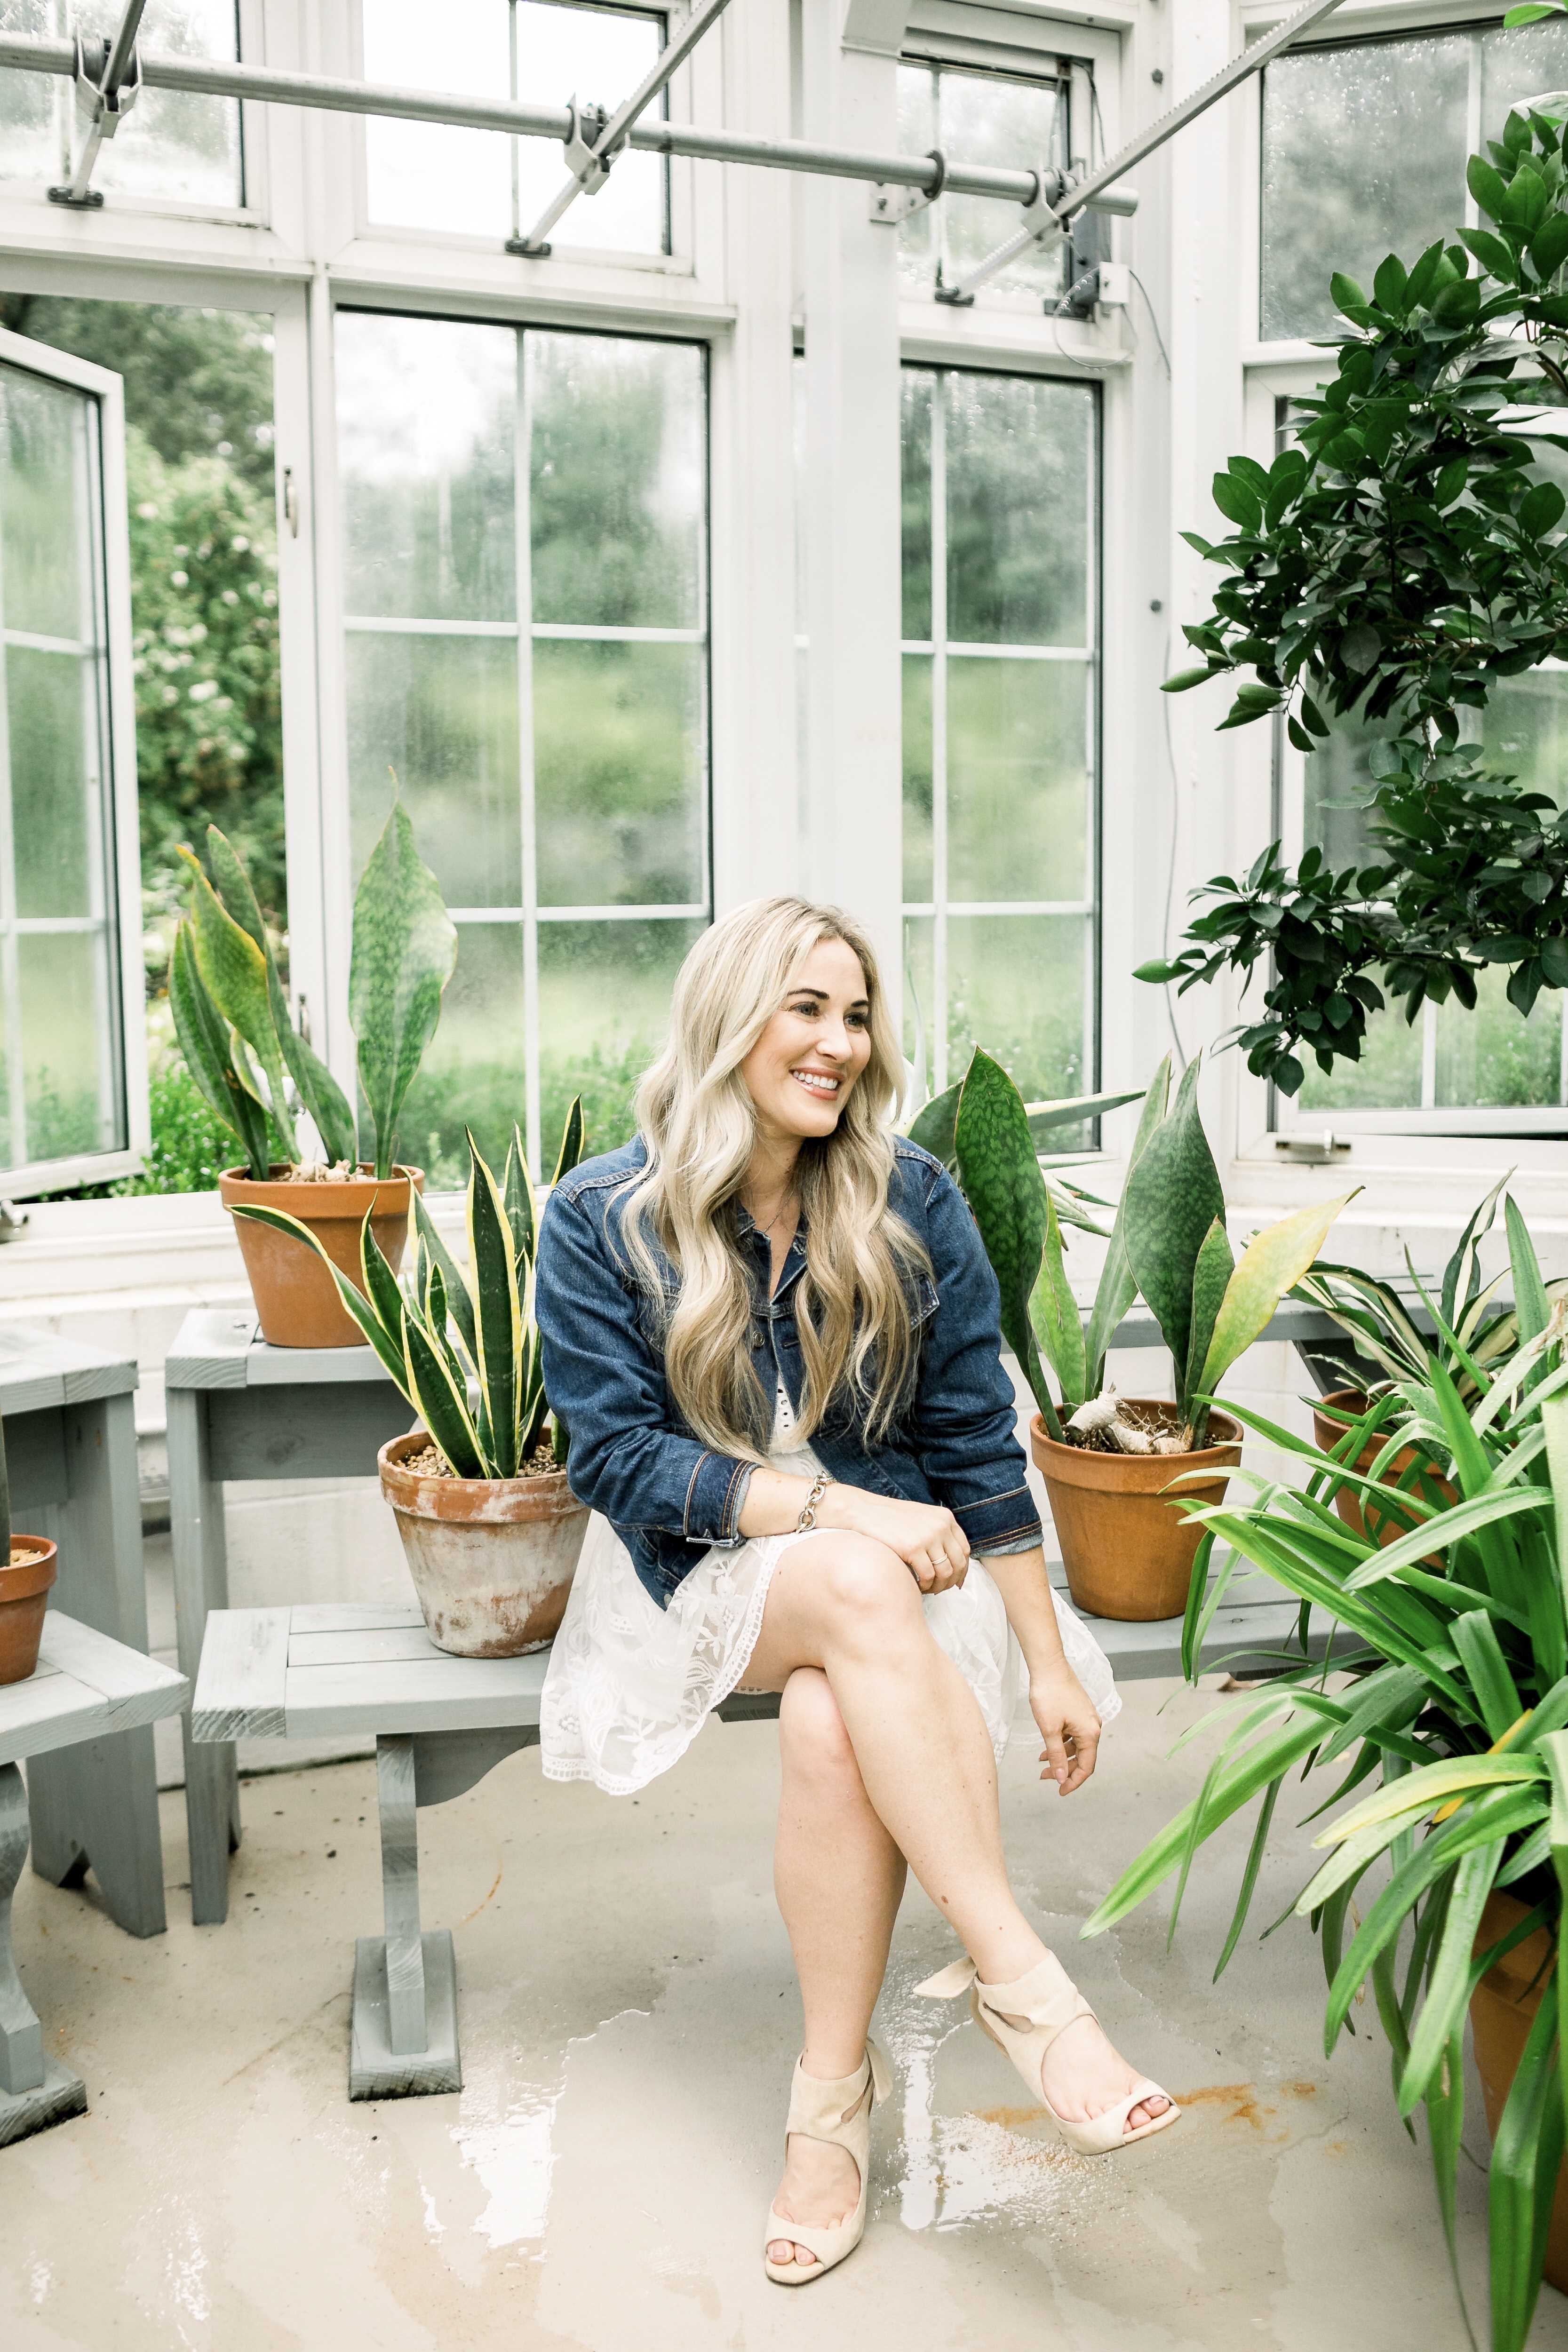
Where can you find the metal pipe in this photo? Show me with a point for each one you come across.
(1086, 192)
(593, 169)
(263, 85)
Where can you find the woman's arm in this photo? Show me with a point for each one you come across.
(925, 1536)
(1057, 1699)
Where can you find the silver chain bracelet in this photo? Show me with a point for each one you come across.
(807, 1519)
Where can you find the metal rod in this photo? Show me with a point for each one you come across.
(207, 78)
(593, 172)
(105, 119)
(1085, 192)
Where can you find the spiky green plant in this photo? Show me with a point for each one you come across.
(463, 1347)
(1455, 1649)
(231, 1014)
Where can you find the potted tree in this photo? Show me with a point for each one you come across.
(1451, 1700)
(490, 1527)
(28, 1570)
(1112, 1464)
(242, 1050)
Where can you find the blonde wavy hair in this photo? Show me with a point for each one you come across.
(853, 1310)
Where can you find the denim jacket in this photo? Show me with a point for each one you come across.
(667, 1495)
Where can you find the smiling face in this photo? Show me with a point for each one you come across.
(801, 1069)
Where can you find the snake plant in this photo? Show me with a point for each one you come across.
(231, 1015)
(462, 1347)
(1168, 1242)
(1452, 1704)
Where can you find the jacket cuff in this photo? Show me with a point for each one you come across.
(1003, 1551)
(1001, 1523)
(715, 1496)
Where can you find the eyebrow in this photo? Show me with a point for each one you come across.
(860, 1003)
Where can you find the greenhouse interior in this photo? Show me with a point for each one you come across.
(1042, 526)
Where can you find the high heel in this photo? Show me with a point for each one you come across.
(840, 2114)
(1024, 2020)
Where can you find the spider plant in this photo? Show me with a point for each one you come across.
(1451, 1717)
(462, 1347)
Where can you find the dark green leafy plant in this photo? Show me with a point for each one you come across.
(463, 1347)
(1395, 561)
(1453, 1642)
(232, 1016)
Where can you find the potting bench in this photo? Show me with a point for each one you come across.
(71, 1443)
(240, 1409)
(87, 1693)
(441, 1723)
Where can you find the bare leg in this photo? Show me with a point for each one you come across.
(838, 1877)
(849, 1607)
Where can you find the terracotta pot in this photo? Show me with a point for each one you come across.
(492, 1559)
(1502, 2010)
(295, 1296)
(1127, 1551)
(23, 1597)
(1348, 1503)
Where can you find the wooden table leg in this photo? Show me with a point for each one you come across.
(201, 1583)
(403, 2041)
(96, 1804)
(35, 2091)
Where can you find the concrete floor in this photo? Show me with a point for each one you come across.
(630, 2020)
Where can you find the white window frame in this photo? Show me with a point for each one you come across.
(122, 862)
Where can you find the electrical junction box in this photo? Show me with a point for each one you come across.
(1115, 285)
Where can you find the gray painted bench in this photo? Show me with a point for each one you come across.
(87, 1692)
(71, 1442)
(441, 1723)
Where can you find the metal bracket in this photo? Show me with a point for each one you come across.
(1312, 1147)
(894, 205)
(1041, 221)
(589, 170)
(103, 101)
(13, 1220)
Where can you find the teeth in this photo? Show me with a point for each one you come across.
(817, 1082)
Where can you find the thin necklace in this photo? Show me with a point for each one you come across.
(767, 1229)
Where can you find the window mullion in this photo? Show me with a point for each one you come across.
(522, 511)
(939, 726)
(10, 958)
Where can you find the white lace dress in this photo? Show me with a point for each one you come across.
(630, 1685)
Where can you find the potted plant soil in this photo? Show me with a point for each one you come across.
(232, 1019)
(490, 1527)
(25, 1580)
(1119, 1470)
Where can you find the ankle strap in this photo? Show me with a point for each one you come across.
(829, 2110)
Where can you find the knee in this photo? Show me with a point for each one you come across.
(812, 1738)
(866, 1590)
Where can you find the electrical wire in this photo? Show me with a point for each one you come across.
(1153, 322)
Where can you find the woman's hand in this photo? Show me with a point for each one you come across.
(1061, 1707)
(927, 1538)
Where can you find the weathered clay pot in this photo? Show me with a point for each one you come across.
(296, 1297)
(23, 1597)
(1348, 1502)
(1127, 1551)
(492, 1559)
(1502, 2010)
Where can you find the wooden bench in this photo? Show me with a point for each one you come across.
(441, 1723)
(86, 1689)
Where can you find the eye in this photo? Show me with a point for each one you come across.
(856, 1020)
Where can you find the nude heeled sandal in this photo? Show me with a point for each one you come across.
(840, 2114)
(1024, 2020)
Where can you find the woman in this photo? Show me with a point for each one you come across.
(770, 1330)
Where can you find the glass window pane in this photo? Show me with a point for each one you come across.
(1524, 728)
(472, 1074)
(175, 145)
(1015, 985)
(35, 109)
(919, 989)
(440, 714)
(616, 482)
(1017, 779)
(1019, 459)
(618, 772)
(47, 577)
(1364, 154)
(1016, 124)
(428, 422)
(604, 1012)
(435, 176)
(70, 1073)
(917, 392)
(600, 54)
(1522, 64)
(56, 788)
(1387, 1076)
(918, 882)
(1494, 1057)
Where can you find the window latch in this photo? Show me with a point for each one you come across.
(1315, 1149)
